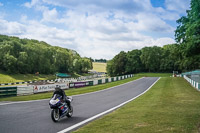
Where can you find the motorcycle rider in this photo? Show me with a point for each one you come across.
(60, 92)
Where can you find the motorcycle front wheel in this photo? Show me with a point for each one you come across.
(70, 113)
(55, 116)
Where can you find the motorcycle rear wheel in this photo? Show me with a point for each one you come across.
(55, 116)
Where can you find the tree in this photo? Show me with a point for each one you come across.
(171, 58)
(22, 62)
(188, 30)
(134, 64)
(31, 56)
(118, 64)
(110, 68)
(9, 63)
(151, 58)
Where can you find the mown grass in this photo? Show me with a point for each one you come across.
(70, 91)
(171, 105)
(5, 78)
(12, 78)
(99, 67)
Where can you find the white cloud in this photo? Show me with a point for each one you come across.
(50, 15)
(97, 29)
(11, 28)
(51, 35)
(166, 15)
(31, 4)
(89, 42)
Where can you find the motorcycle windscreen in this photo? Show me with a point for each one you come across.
(56, 96)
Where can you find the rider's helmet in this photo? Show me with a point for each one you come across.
(57, 87)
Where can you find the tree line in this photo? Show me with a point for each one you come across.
(100, 60)
(182, 56)
(31, 56)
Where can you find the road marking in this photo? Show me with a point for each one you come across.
(72, 95)
(103, 113)
(22, 102)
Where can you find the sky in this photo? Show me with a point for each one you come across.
(94, 28)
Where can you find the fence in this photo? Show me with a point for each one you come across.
(8, 91)
(26, 90)
(192, 82)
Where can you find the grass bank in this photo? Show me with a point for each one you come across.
(12, 78)
(171, 105)
(5, 78)
(70, 91)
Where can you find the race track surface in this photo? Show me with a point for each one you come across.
(34, 117)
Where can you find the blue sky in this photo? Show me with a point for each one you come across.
(94, 28)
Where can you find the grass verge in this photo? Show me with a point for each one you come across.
(171, 105)
(70, 91)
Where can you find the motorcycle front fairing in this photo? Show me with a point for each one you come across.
(55, 101)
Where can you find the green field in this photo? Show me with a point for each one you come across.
(99, 67)
(171, 105)
(5, 78)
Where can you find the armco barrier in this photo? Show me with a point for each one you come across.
(192, 82)
(99, 81)
(79, 84)
(112, 79)
(109, 80)
(103, 81)
(24, 90)
(117, 78)
(49, 87)
(91, 83)
(8, 91)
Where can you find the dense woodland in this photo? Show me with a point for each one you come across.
(31, 56)
(182, 56)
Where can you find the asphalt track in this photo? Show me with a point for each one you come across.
(34, 116)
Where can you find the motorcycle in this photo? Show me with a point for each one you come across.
(60, 108)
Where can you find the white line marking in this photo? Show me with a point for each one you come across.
(103, 113)
(72, 95)
(22, 102)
